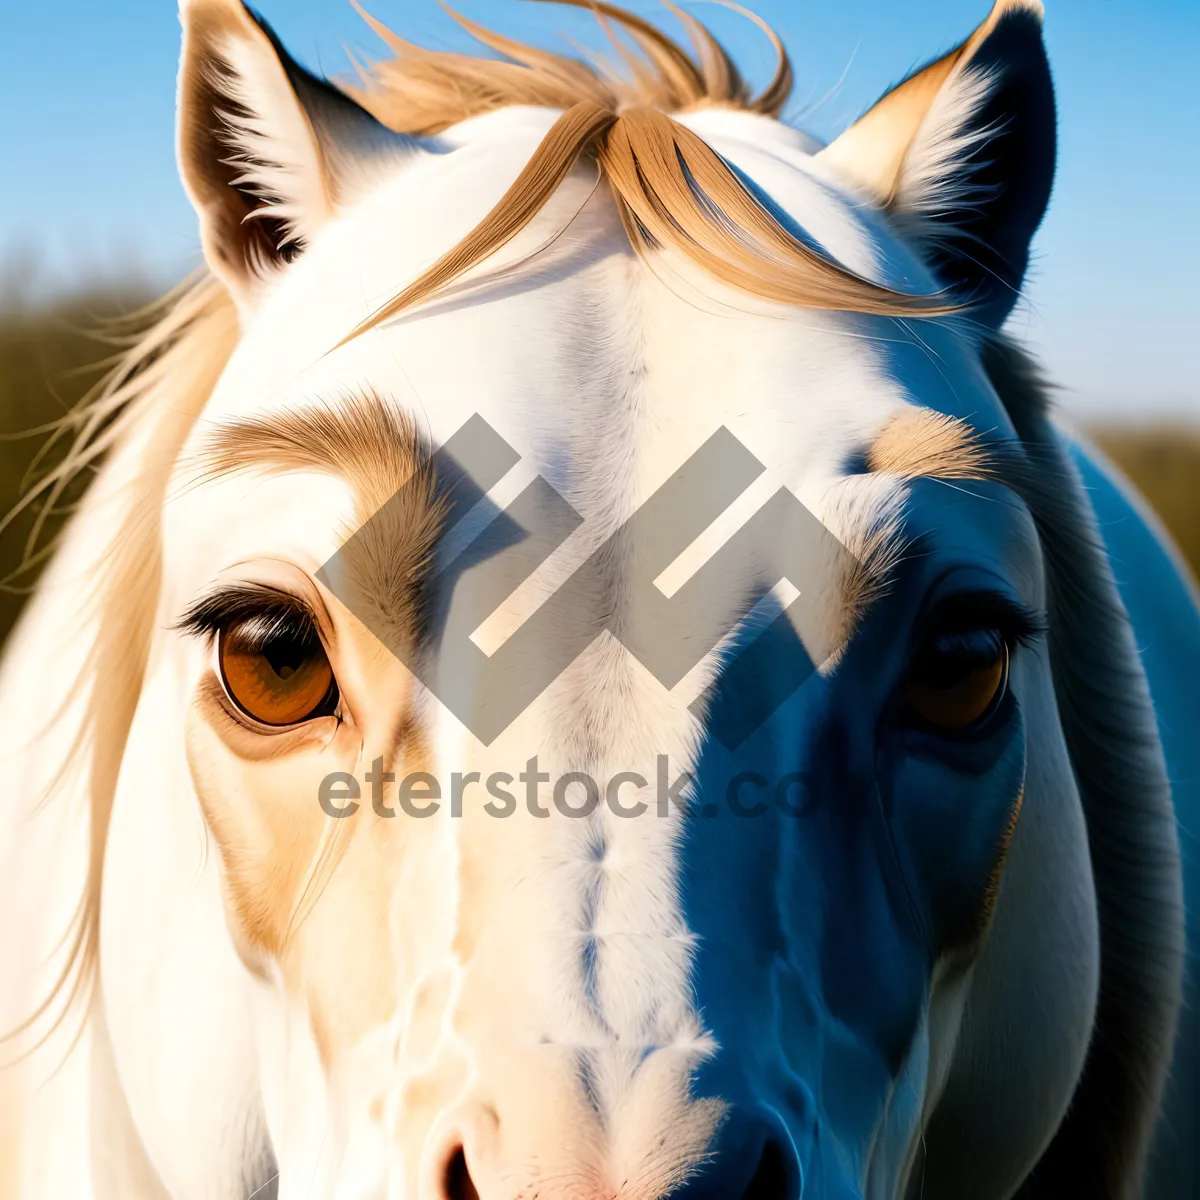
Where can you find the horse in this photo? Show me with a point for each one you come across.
(588, 667)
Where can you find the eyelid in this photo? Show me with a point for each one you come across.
(980, 609)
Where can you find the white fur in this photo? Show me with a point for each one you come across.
(930, 186)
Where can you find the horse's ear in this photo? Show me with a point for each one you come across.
(961, 154)
(266, 150)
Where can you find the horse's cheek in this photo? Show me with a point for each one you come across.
(174, 993)
(952, 818)
(1033, 985)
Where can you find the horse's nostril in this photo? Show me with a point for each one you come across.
(457, 1183)
(770, 1180)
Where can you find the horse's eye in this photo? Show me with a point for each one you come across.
(278, 676)
(957, 678)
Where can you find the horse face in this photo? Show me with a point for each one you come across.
(734, 898)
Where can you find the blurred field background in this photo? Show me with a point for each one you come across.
(53, 349)
(52, 352)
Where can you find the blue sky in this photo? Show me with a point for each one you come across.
(88, 186)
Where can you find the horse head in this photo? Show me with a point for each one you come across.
(614, 620)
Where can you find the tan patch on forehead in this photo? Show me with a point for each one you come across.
(376, 449)
(359, 436)
(921, 441)
(916, 443)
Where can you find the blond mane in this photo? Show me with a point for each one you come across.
(671, 189)
(136, 422)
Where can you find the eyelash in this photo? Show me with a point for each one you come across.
(260, 613)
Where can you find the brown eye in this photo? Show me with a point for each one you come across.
(957, 678)
(279, 676)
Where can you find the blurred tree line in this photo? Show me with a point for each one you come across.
(53, 351)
